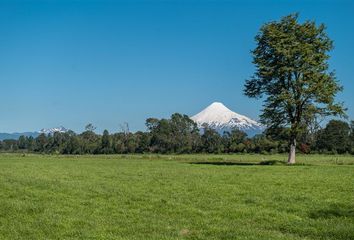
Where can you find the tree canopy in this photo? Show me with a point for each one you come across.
(292, 76)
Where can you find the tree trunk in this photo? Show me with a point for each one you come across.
(292, 150)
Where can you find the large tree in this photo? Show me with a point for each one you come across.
(292, 76)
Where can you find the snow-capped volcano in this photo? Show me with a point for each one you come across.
(60, 129)
(220, 118)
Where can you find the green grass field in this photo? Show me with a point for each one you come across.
(176, 197)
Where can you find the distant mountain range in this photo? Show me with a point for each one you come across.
(46, 131)
(220, 118)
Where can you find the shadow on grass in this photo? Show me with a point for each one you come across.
(225, 163)
(333, 211)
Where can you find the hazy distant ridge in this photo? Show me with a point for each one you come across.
(47, 131)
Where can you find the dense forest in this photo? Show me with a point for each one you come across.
(180, 134)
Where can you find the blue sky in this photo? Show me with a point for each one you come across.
(107, 62)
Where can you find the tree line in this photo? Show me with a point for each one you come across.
(180, 135)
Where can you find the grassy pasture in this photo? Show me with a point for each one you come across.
(176, 197)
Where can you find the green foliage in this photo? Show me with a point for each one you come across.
(106, 146)
(233, 141)
(335, 137)
(351, 137)
(90, 142)
(176, 135)
(292, 75)
(211, 141)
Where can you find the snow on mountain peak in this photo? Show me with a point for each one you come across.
(221, 118)
(60, 129)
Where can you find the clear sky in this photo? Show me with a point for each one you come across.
(107, 62)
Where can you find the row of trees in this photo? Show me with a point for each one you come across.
(180, 134)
